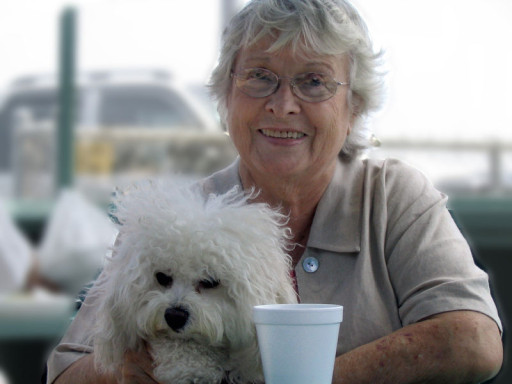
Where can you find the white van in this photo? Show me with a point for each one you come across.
(128, 124)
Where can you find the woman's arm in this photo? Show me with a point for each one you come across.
(137, 369)
(82, 371)
(452, 347)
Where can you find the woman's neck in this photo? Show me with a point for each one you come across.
(297, 197)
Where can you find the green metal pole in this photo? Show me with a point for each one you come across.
(66, 97)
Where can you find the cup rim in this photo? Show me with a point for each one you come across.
(298, 307)
(298, 314)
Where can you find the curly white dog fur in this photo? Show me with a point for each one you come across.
(185, 274)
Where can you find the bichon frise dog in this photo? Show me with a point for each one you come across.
(185, 274)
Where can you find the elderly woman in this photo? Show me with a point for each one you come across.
(295, 83)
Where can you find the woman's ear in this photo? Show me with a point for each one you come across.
(354, 107)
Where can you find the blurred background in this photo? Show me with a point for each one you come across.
(96, 94)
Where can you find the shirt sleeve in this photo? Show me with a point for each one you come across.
(76, 343)
(430, 263)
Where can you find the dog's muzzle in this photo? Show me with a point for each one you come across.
(176, 318)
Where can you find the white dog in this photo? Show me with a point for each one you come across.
(185, 274)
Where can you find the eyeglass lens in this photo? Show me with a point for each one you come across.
(312, 87)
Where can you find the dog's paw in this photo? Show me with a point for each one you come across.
(187, 362)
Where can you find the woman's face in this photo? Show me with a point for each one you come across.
(315, 132)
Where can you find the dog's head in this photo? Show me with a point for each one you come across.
(191, 267)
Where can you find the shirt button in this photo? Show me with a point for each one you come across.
(310, 264)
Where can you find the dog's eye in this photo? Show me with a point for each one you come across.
(209, 283)
(163, 279)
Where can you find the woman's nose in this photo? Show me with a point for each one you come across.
(283, 101)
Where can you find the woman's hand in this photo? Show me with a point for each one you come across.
(137, 368)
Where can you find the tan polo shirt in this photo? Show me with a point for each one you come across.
(382, 244)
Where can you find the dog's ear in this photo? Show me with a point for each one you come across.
(262, 277)
(115, 330)
(260, 274)
(260, 266)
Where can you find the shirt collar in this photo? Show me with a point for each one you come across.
(222, 181)
(337, 223)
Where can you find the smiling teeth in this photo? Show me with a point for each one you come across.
(282, 134)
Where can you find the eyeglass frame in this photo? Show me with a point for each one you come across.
(292, 84)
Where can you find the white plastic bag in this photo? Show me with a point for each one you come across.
(16, 254)
(77, 238)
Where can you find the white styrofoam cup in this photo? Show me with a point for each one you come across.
(298, 341)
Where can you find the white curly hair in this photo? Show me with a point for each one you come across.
(324, 27)
(208, 259)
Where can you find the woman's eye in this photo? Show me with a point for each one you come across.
(209, 284)
(163, 279)
(313, 80)
(259, 75)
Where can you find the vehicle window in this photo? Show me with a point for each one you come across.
(42, 106)
(39, 106)
(145, 107)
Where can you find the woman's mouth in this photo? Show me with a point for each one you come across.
(282, 134)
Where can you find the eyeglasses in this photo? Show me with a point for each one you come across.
(310, 87)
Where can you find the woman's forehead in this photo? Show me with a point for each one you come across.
(272, 45)
(260, 53)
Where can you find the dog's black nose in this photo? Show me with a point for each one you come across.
(176, 318)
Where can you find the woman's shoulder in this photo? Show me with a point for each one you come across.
(392, 167)
(399, 180)
(392, 171)
(221, 181)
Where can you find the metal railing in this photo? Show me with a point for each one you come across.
(494, 150)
